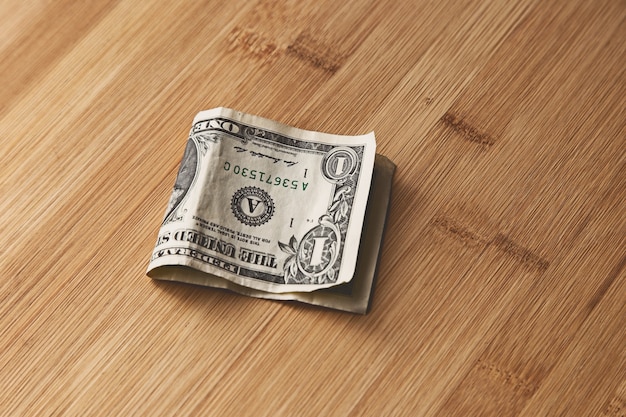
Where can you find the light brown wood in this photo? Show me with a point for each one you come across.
(501, 288)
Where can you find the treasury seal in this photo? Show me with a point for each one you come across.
(252, 206)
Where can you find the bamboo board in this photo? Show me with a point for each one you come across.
(501, 289)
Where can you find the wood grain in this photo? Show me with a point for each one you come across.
(502, 284)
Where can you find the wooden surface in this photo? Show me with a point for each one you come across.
(502, 287)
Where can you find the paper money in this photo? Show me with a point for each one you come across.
(266, 209)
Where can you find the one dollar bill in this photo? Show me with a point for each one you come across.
(266, 209)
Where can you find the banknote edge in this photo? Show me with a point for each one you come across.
(284, 129)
